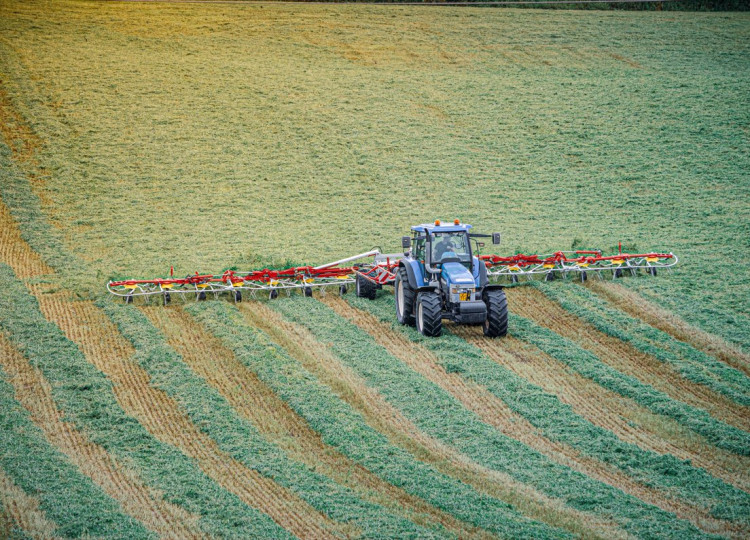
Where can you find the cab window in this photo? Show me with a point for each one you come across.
(446, 245)
(419, 249)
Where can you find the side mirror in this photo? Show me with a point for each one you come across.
(495, 238)
(405, 242)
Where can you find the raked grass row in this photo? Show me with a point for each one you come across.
(558, 421)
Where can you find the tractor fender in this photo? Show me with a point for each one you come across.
(493, 287)
(413, 272)
(426, 288)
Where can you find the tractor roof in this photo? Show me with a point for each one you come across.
(432, 228)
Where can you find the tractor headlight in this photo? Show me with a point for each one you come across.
(461, 294)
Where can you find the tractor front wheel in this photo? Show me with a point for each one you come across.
(404, 298)
(365, 288)
(496, 324)
(429, 314)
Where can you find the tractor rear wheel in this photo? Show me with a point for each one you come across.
(365, 288)
(404, 298)
(429, 314)
(496, 324)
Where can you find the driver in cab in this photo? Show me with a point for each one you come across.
(445, 245)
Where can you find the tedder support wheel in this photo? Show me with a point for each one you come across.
(308, 291)
(404, 298)
(429, 314)
(496, 324)
(238, 296)
(342, 290)
(273, 294)
(365, 288)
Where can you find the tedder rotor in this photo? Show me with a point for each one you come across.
(437, 276)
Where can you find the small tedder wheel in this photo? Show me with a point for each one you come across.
(496, 324)
(514, 278)
(652, 270)
(129, 299)
(365, 288)
(167, 298)
(404, 298)
(584, 277)
(343, 290)
(429, 314)
(273, 294)
(308, 291)
(238, 296)
(202, 295)
(549, 276)
(618, 273)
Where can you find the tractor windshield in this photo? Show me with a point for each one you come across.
(450, 245)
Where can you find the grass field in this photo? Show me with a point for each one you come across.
(135, 137)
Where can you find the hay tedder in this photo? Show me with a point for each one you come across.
(437, 276)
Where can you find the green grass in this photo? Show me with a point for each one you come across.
(345, 429)
(559, 422)
(84, 395)
(587, 364)
(210, 136)
(240, 439)
(691, 363)
(192, 132)
(442, 416)
(70, 499)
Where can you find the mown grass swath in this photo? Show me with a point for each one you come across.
(68, 497)
(558, 421)
(345, 429)
(15, 191)
(85, 397)
(240, 439)
(440, 415)
(691, 363)
(587, 364)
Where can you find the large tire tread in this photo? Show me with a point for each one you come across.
(402, 278)
(497, 313)
(432, 322)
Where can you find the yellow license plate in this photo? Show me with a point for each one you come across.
(464, 296)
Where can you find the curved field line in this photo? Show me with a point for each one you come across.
(382, 416)
(34, 393)
(105, 348)
(273, 417)
(23, 511)
(496, 413)
(636, 306)
(532, 304)
(15, 252)
(625, 418)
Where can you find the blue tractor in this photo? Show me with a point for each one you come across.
(439, 278)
